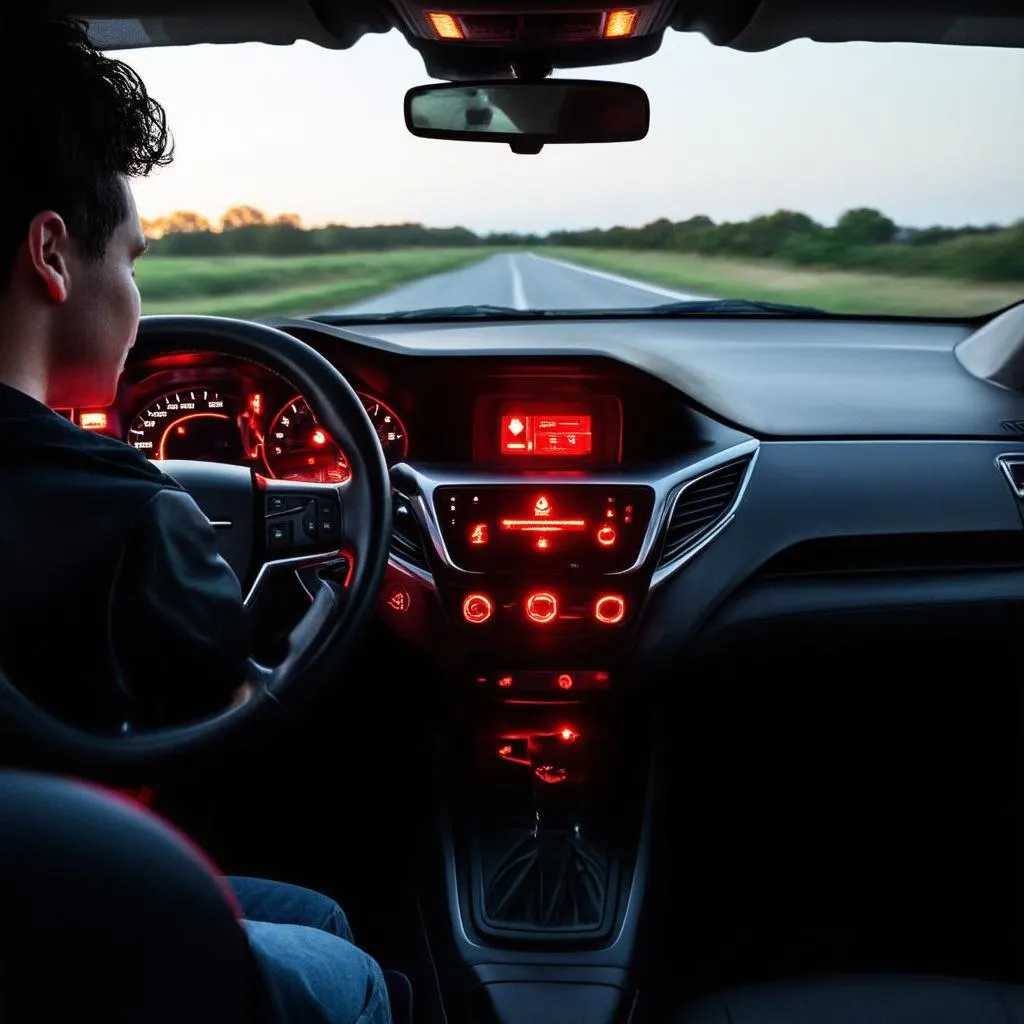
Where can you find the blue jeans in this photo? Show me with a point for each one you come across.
(304, 946)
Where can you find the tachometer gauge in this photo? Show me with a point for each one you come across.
(188, 424)
(298, 448)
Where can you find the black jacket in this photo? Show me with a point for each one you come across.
(114, 601)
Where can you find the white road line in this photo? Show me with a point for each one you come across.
(518, 293)
(654, 289)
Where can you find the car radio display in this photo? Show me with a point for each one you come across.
(514, 527)
(546, 433)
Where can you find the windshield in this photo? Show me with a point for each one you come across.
(856, 178)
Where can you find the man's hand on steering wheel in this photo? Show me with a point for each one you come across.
(263, 526)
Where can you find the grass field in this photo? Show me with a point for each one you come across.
(836, 291)
(252, 286)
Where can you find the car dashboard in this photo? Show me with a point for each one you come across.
(588, 500)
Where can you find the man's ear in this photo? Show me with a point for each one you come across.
(48, 244)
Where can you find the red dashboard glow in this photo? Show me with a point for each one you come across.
(543, 519)
(546, 434)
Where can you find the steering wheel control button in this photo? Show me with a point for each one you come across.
(310, 522)
(329, 514)
(477, 608)
(541, 607)
(278, 504)
(279, 536)
(610, 609)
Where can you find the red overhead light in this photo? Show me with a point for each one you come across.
(620, 24)
(445, 26)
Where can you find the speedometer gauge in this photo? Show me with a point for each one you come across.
(298, 448)
(188, 424)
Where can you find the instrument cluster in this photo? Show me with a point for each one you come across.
(237, 419)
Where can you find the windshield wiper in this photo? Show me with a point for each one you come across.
(436, 314)
(737, 307)
(696, 307)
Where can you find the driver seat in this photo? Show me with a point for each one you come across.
(109, 914)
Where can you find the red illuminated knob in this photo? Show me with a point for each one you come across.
(541, 607)
(477, 608)
(606, 536)
(610, 609)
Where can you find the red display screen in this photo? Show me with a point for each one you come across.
(512, 528)
(546, 434)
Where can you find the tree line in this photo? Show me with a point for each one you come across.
(862, 239)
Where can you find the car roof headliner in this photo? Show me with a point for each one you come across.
(739, 24)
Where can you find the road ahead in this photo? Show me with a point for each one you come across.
(522, 281)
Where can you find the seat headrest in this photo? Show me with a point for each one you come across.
(109, 914)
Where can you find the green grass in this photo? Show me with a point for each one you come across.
(251, 286)
(833, 290)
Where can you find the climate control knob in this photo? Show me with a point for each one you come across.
(610, 609)
(477, 608)
(541, 607)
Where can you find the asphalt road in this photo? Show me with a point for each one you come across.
(522, 281)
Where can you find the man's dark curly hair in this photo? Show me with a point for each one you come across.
(74, 123)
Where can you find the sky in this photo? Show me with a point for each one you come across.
(927, 134)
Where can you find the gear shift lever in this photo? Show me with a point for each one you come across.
(551, 878)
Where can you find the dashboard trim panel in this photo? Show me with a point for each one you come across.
(418, 485)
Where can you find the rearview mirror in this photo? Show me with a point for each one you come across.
(529, 115)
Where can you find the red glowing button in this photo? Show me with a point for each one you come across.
(399, 600)
(505, 682)
(564, 681)
(567, 734)
(541, 607)
(477, 608)
(606, 536)
(478, 534)
(610, 609)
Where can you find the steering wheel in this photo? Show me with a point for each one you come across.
(264, 525)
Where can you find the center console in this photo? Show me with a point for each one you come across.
(528, 571)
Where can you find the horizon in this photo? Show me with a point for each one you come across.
(483, 232)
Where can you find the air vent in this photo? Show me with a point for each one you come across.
(1013, 426)
(407, 537)
(701, 506)
(1013, 469)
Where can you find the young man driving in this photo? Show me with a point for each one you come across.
(114, 602)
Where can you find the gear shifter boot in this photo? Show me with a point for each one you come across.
(549, 879)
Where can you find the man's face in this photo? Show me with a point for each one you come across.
(97, 324)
